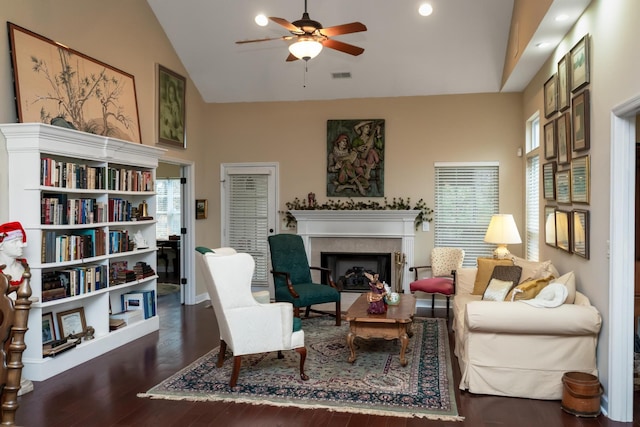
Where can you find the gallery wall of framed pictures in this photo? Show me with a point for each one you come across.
(566, 175)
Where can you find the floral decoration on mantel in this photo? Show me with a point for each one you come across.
(350, 205)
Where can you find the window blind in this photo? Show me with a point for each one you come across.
(533, 208)
(466, 196)
(168, 207)
(248, 222)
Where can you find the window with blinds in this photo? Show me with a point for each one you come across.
(248, 220)
(466, 196)
(532, 207)
(168, 207)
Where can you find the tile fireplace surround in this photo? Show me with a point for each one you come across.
(359, 231)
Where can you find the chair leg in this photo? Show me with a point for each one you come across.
(296, 312)
(280, 355)
(237, 362)
(303, 356)
(447, 307)
(223, 350)
(307, 311)
(433, 304)
(338, 313)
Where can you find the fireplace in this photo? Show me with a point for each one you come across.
(348, 269)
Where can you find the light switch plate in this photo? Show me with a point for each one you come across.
(425, 226)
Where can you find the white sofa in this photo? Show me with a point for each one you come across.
(515, 349)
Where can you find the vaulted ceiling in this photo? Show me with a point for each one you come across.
(459, 48)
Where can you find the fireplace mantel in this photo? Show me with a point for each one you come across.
(386, 224)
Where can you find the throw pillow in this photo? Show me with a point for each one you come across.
(507, 272)
(485, 269)
(528, 290)
(569, 280)
(534, 269)
(497, 290)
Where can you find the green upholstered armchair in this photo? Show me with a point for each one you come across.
(292, 276)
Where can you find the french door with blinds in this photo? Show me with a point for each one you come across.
(249, 211)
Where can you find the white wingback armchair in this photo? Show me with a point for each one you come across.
(246, 325)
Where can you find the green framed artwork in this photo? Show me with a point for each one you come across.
(355, 158)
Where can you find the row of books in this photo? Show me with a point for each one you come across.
(120, 179)
(68, 247)
(57, 209)
(140, 300)
(56, 173)
(121, 273)
(120, 210)
(73, 281)
(119, 241)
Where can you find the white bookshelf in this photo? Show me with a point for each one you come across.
(26, 144)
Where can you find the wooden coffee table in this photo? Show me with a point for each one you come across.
(395, 323)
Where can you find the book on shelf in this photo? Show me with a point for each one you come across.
(128, 317)
(140, 300)
(143, 270)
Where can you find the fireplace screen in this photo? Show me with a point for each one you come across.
(348, 269)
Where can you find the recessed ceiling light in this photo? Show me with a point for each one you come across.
(261, 20)
(562, 17)
(425, 9)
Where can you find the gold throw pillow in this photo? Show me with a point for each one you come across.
(485, 270)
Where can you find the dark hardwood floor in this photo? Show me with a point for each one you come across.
(103, 391)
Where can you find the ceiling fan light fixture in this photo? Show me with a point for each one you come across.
(305, 49)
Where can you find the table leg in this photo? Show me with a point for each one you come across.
(404, 339)
(350, 337)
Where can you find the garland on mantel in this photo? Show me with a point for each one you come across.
(338, 205)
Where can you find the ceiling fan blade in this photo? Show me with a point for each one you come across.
(291, 57)
(353, 27)
(343, 47)
(286, 24)
(264, 40)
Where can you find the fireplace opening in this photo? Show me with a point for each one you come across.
(348, 269)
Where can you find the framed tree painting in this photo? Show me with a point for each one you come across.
(580, 227)
(579, 67)
(580, 176)
(563, 136)
(171, 107)
(551, 96)
(549, 180)
(60, 86)
(581, 124)
(550, 151)
(355, 158)
(564, 91)
(563, 187)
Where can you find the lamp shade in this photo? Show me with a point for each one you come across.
(305, 48)
(502, 231)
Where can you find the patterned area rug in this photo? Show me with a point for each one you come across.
(375, 383)
(167, 288)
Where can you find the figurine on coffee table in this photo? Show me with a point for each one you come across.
(377, 304)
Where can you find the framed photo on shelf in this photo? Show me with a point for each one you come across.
(580, 180)
(580, 229)
(51, 78)
(563, 187)
(72, 323)
(171, 107)
(564, 91)
(48, 328)
(563, 137)
(201, 208)
(550, 225)
(549, 180)
(581, 123)
(551, 96)
(579, 66)
(563, 230)
(550, 151)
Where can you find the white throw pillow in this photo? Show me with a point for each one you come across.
(569, 280)
(497, 290)
(553, 295)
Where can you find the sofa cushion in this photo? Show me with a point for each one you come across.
(534, 269)
(528, 290)
(497, 290)
(507, 272)
(433, 285)
(485, 270)
(569, 280)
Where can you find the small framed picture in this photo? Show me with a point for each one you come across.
(551, 96)
(581, 125)
(563, 230)
(549, 180)
(48, 328)
(563, 187)
(580, 185)
(550, 151)
(579, 55)
(563, 137)
(580, 229)
(550, 225)
(171, 107)
(72, 323)
(201, 208)
(564, 91)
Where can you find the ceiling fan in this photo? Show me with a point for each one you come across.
(310, 37)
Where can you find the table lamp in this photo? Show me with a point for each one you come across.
(502, 231)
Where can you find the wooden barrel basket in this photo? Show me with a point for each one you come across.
(581, 394)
